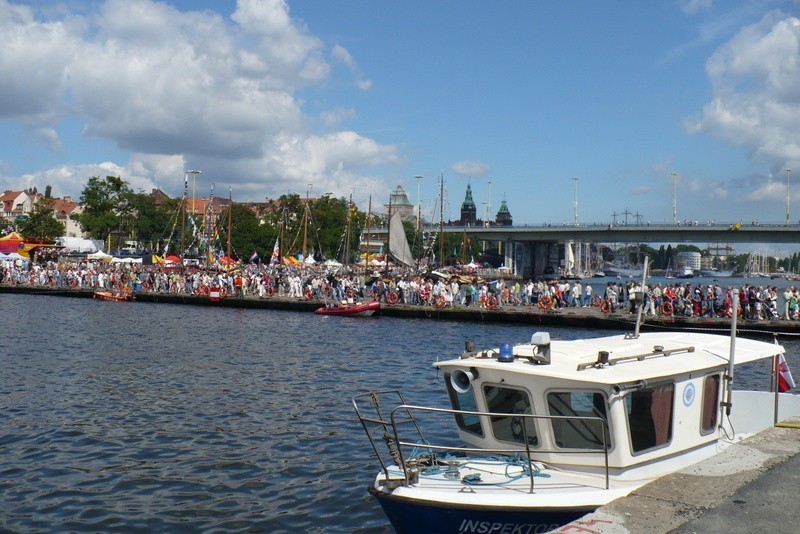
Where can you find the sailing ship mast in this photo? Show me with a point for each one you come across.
(230, 219)
(183, 216)
(369, 236)
(441, 220)
(347, 234)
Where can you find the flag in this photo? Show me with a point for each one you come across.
(254, 257)
(274, 259)
(785, 380)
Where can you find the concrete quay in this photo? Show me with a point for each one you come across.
(752, 486)
(527, 315)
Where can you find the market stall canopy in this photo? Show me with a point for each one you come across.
(226, 260)
(11, 243)
(172, 259)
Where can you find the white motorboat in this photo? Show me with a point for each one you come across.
(548, 431)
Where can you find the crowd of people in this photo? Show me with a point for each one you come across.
(295, 282)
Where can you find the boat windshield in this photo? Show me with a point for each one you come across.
(505, 400)
(578, 433)
(464, 401)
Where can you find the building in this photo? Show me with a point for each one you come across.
(64, 209)
(14, 204)
(503, 217)
(399, 203)
(469, 213)
(688, 259)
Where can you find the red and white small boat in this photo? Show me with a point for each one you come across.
(360, 309)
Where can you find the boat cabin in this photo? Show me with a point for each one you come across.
(645, 398)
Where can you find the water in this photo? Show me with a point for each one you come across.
(147, 417)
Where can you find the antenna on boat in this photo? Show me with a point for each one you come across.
(640, 298)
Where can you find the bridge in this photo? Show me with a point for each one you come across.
(534, 250)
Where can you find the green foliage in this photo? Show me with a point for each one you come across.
(248, 234)
(150, 221)
(42, 224)
(106, 207)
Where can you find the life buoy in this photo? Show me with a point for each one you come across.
(350, 294)
(308, 294)
(729, 313)
(425, 294)
(270, 291)
(392, 297)
(223, 292)
(439, 301)
(545, 302)
(119, 284)
(204, 290)
(667, 308)
(73, 283)
(605, 306)
(146, 286)
(491, 302)
(596, 301)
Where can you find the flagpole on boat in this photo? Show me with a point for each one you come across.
(640, 307)
(731, 356)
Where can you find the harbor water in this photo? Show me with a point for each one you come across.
(154, 418)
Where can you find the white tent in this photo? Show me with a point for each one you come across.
(126, 260)
(14, 256)
(99, 255)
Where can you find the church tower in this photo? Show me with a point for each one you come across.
(503, 217)
(468, 210)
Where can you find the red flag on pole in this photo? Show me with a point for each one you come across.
(785, 380)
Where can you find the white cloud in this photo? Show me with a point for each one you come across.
(693, 6)
(755, 80)
(177, 86)
(342, 55)
(473, 168)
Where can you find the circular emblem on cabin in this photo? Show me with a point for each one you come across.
(688, 394)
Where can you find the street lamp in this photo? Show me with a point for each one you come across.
(575, 198)
(489, 203)
(674, 199)
(787, 195)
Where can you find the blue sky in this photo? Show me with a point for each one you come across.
(268, 97)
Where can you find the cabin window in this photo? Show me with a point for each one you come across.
(578, 434)
(464, 402)
(510, 401)
(650, 416)
(708, 421)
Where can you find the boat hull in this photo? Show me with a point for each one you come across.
(412, 516)
(113, 297)
(351, 310)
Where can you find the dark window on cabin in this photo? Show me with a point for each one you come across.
(650, 416)
(578, 434)
(464, 402)
(507, 427)
(708, 421)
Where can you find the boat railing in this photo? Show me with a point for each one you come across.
(402, 415)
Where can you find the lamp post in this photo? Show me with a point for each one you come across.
(674, 199)
(488, 204)
(787, 196)
(575, 198)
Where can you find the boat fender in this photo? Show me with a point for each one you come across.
(462, 380)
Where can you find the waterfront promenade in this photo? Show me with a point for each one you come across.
(589, 317)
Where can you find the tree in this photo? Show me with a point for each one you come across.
(42, 224)
(106, 207)
(150, 222)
